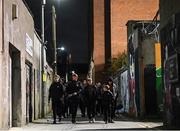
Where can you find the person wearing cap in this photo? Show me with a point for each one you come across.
(73, 90)
(113, 89)
(56, 95)
(90, 99)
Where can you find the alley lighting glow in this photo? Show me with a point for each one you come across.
(61, 48)
(44, 2)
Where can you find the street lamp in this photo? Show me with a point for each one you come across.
(54, 37)
(42, 55)
(61, 48)
(43, 3)
(65, 60)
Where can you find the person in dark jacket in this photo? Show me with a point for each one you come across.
(56, 96)
(107, 98)
(82, 104)
(90, 98)
(113, 89)
(99, 107)
(73, 90)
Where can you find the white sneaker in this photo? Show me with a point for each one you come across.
(93, 120)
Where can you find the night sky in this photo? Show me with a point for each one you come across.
(72, 26)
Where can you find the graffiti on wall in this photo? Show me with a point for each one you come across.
(125, 91)
(132, 97)
(167, 89)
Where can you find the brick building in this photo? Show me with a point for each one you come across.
(110, 32)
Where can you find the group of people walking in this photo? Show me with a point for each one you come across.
(97, 99)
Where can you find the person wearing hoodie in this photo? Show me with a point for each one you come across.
(90, 98)
(56, 95)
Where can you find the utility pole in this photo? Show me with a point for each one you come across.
(54, 37)
(42, 55)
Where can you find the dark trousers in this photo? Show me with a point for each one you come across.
(74, 101)
(113, 108)
(91, 109)
(66, 107)
(107, 113)
(99, 108)
(82, 106)
(56, 107)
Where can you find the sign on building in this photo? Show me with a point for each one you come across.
(29, 45)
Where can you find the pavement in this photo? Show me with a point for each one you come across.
(121, 123)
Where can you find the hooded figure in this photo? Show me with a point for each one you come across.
(55, 95)
(90, 98)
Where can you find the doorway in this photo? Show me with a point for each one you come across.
(28, 92)
(15, 91)
(150, 90)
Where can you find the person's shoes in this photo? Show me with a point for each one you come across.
(93, 120)
(111, 121)
(90, 121)
(106, 122)
(54, 122)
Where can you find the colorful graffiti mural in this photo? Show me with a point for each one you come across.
(167, 90)
(132, 96)
(125, 91)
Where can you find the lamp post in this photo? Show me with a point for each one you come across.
(65, 56)
(54, 37)
(42, 55)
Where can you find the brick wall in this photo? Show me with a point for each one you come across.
(124, 10)
(99, 39)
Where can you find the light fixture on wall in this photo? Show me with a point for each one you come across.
(14, 11)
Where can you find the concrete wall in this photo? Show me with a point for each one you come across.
(37, 76)
(148, 51)
(48, 72)
(1, 61)
(171, 97)
(167, 8)
(49, 79)
(14, 33)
